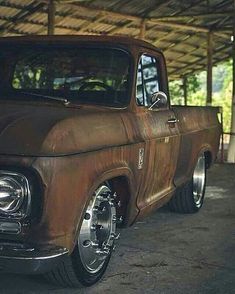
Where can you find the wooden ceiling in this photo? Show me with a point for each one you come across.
(181, 29)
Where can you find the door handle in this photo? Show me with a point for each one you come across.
(172, 120)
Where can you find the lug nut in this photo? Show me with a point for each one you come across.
(102, 252)
(93, 227)
(95, 209)
(113, 196)
(105, 194)
(120, 219)
(86, 243)
(100, 198)
(95, 244)
(87, 216)
(107, 246)
(117, 236)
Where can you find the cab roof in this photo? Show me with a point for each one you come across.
(68, 39)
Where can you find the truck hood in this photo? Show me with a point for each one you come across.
(36, 130)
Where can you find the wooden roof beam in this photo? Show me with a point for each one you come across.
(201, 67)
(21, 15)
(13, 5)
(197, 16)
(185, 36)
(133, 18)
(90, 25)
(158, 6)
(119, 28)
(204, 58)
(196, 3)
(136, 18)
(13, 31)
(183, 53)
(178, 26)
(42, 24)
(108, 13)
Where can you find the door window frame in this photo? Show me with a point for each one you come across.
(161, 75)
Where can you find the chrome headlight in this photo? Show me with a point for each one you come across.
(14, 193)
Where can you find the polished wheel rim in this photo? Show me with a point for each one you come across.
(199, 177)
(98, 230)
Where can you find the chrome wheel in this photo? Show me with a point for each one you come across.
(98, 230)
(199, 179)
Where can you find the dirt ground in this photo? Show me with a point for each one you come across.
(167, 252)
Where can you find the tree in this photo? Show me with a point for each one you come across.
(177, 93)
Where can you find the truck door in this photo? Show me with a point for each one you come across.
(158, 126)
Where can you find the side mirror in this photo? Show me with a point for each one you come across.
(158, 100)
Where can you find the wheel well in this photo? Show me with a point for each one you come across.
(208, 158)
(120, 185)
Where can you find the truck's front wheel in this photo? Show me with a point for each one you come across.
(91, 255)
(189, 197)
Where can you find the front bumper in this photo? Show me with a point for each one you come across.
(29, 260)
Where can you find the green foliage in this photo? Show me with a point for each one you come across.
(177, 92)
(224, 99)
(196, 90)
(193, 84)
(198, 98)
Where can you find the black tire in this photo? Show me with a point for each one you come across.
(190, 196)
(71, 273)
(76, 270)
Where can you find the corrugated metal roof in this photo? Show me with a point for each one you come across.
(179, 28)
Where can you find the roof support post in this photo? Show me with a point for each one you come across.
(51, 17)
(185, 80)
(231, 147)
(209, 67)
(142, 29)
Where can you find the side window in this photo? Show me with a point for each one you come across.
(148, 80)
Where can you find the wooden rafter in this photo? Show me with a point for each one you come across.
(203, 59)
(20, 16)
(194, 16)
(200, 66)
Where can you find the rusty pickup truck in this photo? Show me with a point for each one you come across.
(89, 143)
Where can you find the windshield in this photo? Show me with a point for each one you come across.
(86, 75)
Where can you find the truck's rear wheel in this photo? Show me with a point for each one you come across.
(189, 197)
(88, 262)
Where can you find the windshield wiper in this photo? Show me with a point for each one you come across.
(64, 100)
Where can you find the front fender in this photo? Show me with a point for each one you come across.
(69, 183)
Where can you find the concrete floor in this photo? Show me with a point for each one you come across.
(167, 252)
